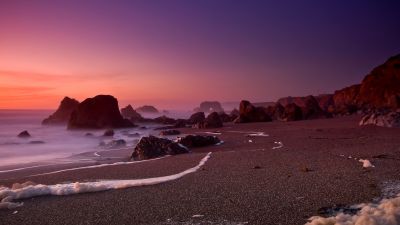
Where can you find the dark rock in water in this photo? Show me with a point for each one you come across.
(36, 142)
(99, 112)
(152, 147)
(292, 113)
(250, 113)
(109, 133)
(170, 132)
(180, 123)
(225, 117)
(129, 113)
(164, 120)
(24, 134)
(234, 114)
(88, 134)
(196, 118)
(147, 109)
(382, 119)
(198, 141)
(209, 107)
(63, 113)
(212, 121)
(114, 143)
(312, 110)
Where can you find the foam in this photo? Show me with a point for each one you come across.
(98, 166)
(7, 195)
(385, 212)
(258, 134)
(366, 163)
(279, 145)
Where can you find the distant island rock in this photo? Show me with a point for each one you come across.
(147, 109)
(209, 107)
(129, 113)
(63, 113)
(101, 111)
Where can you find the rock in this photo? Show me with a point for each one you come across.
(326, 102)
(164, 120)
(276, 112)
(147, 109)
(234, 114)
(63, 113)
(292, 113)
(225, 117)
(213, 120)
(99, 112)
(382, 119)
(152, 147)
(209, 107)
(312, 110)
(196, 118)
(198, 141)
(109, 133)
(249, 113)
(345, 100)
(24, 134)
(180, 123)
(170, 132)
(88, 134)
(129, 113)
(114, 143)
(36, 142)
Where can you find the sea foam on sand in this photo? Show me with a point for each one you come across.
(8, 195)
(386, 212)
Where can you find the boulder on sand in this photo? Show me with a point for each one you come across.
(213, 120)
(63, 113)
(196, 118)
(382, 119)
(250, 113)
(198, 141)
(98, 112)
(153, 147)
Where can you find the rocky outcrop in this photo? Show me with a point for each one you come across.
(196, 118)
(152, 147)
(213, 120)
(276, 112)
(249, 113)
(209, 107)
(292, 113)
(147, 109)
(98, 112)
(109, 133)
(382, 119)
(170, 132)
(345, 100)
(312, 110)
(234, 114)
(63, 113)
(164, 120)
(129, 113)
(225, 117)
(192, 141)
(24, 134)
(326, 102)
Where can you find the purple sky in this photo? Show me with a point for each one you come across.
(177, 53)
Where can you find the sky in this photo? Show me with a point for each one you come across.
(174, 54)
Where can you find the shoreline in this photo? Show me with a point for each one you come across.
(244, 181)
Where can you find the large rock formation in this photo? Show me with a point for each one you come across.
(129, 113)
(383, 119)
(249, 113)
(63, 113)
(292, 113)
(209, 107)
(196, 118)
(152, 147)
(312, 110)
(379, 90)
(147, 109)
(326, 102)
(99, 112)
(276, 111)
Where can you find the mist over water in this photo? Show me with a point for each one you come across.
(58, 143)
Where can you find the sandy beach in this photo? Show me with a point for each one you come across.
(247, 180)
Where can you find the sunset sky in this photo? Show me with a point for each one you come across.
(174, 54)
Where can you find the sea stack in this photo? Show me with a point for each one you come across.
(98, 112)
(63, 113)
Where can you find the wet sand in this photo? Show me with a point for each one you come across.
(244, 181)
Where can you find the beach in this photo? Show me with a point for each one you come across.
(263, 173)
